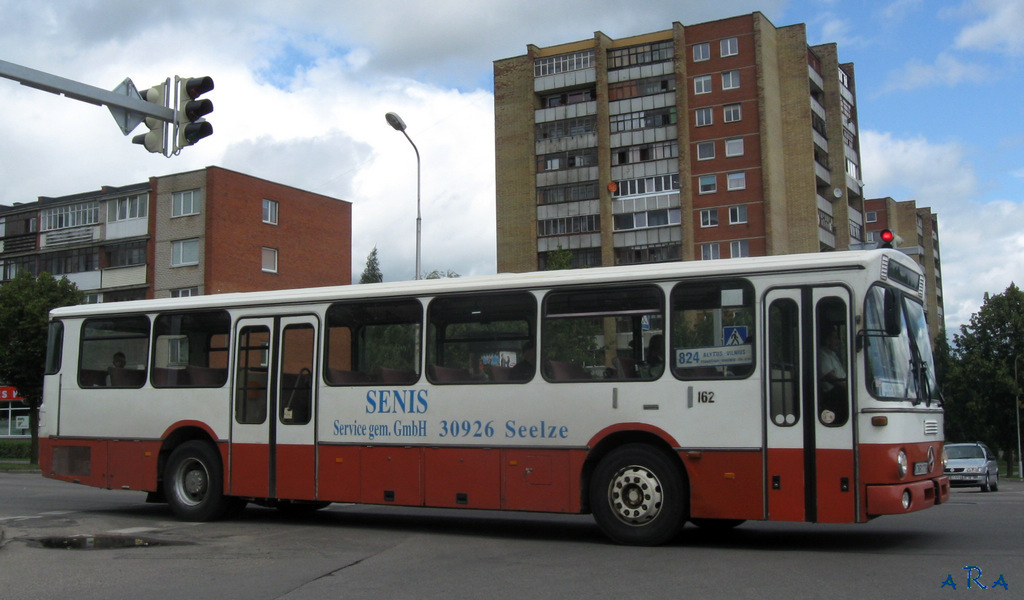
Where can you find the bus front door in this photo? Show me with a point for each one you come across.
(809, 456)
(273, 446)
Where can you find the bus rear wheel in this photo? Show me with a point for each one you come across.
(638, 496)
(194, 483)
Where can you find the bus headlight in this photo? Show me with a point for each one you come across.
(901, 464)
(906, 499)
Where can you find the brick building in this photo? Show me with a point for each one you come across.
(200, 232)
(716, 140)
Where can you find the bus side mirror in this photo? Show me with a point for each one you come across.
(891, 308)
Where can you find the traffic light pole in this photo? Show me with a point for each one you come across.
(125, 103)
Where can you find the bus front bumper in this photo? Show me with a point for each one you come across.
(899, 498)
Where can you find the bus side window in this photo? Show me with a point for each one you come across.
(252, 377)
(296, 397)
(190, 349)
(603, 334)
(712, 330)
(54, 347)
(370, 342)
(113, 352)
(832, 364)
(481, 338)
(784, 362)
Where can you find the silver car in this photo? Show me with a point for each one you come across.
(970, 465)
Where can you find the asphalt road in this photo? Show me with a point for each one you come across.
(349, 551)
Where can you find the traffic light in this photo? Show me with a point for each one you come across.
(889, 239)
(155, 140)
(192, 127)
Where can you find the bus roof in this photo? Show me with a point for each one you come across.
(765, 265)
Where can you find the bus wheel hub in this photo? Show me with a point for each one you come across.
(635, 495)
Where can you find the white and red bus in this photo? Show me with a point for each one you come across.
(790, 388)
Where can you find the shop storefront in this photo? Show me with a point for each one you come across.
(13, 414)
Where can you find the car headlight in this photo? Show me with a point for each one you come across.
(901, 464)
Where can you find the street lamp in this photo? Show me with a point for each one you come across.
(1016, 403)
(396, 121)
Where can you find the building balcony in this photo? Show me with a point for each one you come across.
(69, 237)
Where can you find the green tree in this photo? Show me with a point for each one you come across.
(372, 274)
(560, 259)
(439, 274)
(25, 305)
(979, 386)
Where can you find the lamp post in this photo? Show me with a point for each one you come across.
(396, 121)
(1016, 403)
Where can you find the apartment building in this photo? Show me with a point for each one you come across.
(201, 232)
(716, 140)
(919, 229)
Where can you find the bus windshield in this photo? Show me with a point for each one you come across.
(899, 367)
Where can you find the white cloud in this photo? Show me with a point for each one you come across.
(946, 71)
(981, 242)
(999, 30)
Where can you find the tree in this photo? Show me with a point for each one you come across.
(979, 387)
(25, 305)
(372, 274)
(439, 274)
(559, 259)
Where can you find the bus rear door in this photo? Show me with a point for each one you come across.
(273, 445)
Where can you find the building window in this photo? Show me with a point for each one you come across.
(644, 153)
(643, 54)
(702, 84)
(73, 215)
(734, 147)
(648, 86)
(737, 181)
(871, 216)
(124, 255)
(708, 184)
(710, 251)
(566, 98)
(185, 292)
(184, 253)
(730, 80)
(270, 211)
(705, 150)
(270, 260)
(705, 117)
(185, 203)
(572, 159)
(646, 185)
(563, 63)
(568, 225)
(553, 130)
(572, 192)
(132, 207)
(645, 119)
(730, 47)
(739, 248)
(709, 217)
(737, 214)
(701, 52)
(732, 113)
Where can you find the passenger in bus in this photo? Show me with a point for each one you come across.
(832, 398)
(656, 356)
(523, 369)
(119, 361)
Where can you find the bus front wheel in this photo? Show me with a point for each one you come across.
(194, 483)
(638, 496)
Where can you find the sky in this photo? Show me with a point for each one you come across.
(302, 88)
